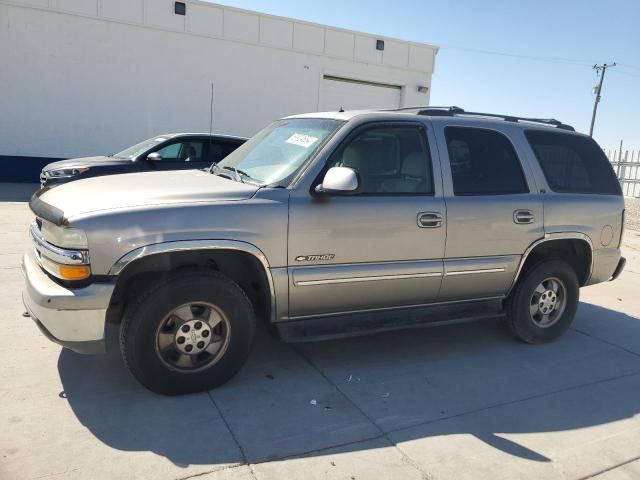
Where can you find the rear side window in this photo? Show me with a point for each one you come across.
(573, 163)
(483, 162)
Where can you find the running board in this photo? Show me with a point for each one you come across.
(362, 323)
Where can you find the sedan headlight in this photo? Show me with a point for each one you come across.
(64, 237)
(66, 172)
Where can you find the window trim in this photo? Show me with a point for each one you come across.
(544, 173)
(421, 127)
(515, 151)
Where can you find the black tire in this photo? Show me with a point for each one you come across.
(143, 318)
(519, 319)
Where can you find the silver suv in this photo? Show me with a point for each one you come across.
(327, 225)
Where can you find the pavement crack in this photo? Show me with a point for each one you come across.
(404, 457)
(215, 470)
(606, 342)
(605, 470)
(233, 436)
(513, 402)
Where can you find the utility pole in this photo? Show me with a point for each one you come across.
(598, 89)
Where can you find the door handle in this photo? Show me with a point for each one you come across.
(523, 216)
(429, 219)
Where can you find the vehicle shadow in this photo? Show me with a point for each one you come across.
(418, 384)
(17, 192)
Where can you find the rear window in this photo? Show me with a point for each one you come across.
(573, 164)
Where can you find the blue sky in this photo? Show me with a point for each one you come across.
(576, 34)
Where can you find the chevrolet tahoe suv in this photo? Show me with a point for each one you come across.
(326, 225)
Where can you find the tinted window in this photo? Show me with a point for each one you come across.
(483, 162)
(219, 150)
(389, 160)
(572, 163)
(189, 151)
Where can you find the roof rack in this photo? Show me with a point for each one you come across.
(451, 111)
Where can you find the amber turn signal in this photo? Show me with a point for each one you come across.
(74, 272)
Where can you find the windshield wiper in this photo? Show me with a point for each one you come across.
(238, 173)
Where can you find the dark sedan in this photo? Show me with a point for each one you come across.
(174, 151)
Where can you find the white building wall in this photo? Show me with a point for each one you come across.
(82, 77)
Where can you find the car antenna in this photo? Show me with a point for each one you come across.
(341, 110)
(210, 126)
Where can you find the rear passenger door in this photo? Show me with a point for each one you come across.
(493, 207)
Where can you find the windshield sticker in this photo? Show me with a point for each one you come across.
(302, 140)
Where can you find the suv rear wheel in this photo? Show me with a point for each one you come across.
(544, 302)
(189, 333)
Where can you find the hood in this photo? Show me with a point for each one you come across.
(85, 162)
(142, 189)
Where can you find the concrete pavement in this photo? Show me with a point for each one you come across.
(459, 402)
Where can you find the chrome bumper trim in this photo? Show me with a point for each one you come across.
(57, 254)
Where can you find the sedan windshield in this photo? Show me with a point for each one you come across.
(274, 154)
(132, 152)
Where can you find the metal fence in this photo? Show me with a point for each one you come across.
(627, 168)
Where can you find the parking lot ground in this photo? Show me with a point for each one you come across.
(455, 402)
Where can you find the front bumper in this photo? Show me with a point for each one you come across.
(73, 318)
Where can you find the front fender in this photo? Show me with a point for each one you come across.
(195, 245)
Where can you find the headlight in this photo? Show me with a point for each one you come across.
(63, 252)
(66, 172)
(64, 237)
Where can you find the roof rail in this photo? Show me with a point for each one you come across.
(451, 111)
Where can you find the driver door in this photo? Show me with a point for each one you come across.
(380, 248)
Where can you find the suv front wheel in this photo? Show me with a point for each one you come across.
(543, 303)
(191, 332)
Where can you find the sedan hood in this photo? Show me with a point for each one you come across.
(85, 162)
(139, 189)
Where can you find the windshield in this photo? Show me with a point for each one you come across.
(277, 152)
(132, 152)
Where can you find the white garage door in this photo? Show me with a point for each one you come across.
(349, 94)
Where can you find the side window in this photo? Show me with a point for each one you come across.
(189, 151)
(170, 152)
(219, 150)
(216, 152)
(483, 162)
(389, 160)
(572, 163)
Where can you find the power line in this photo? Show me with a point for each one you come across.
(626, 65)
(627, 73)
(568, 61)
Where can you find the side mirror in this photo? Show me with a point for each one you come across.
(339, 181)
(154, 157)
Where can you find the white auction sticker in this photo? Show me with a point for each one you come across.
(302, 140)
